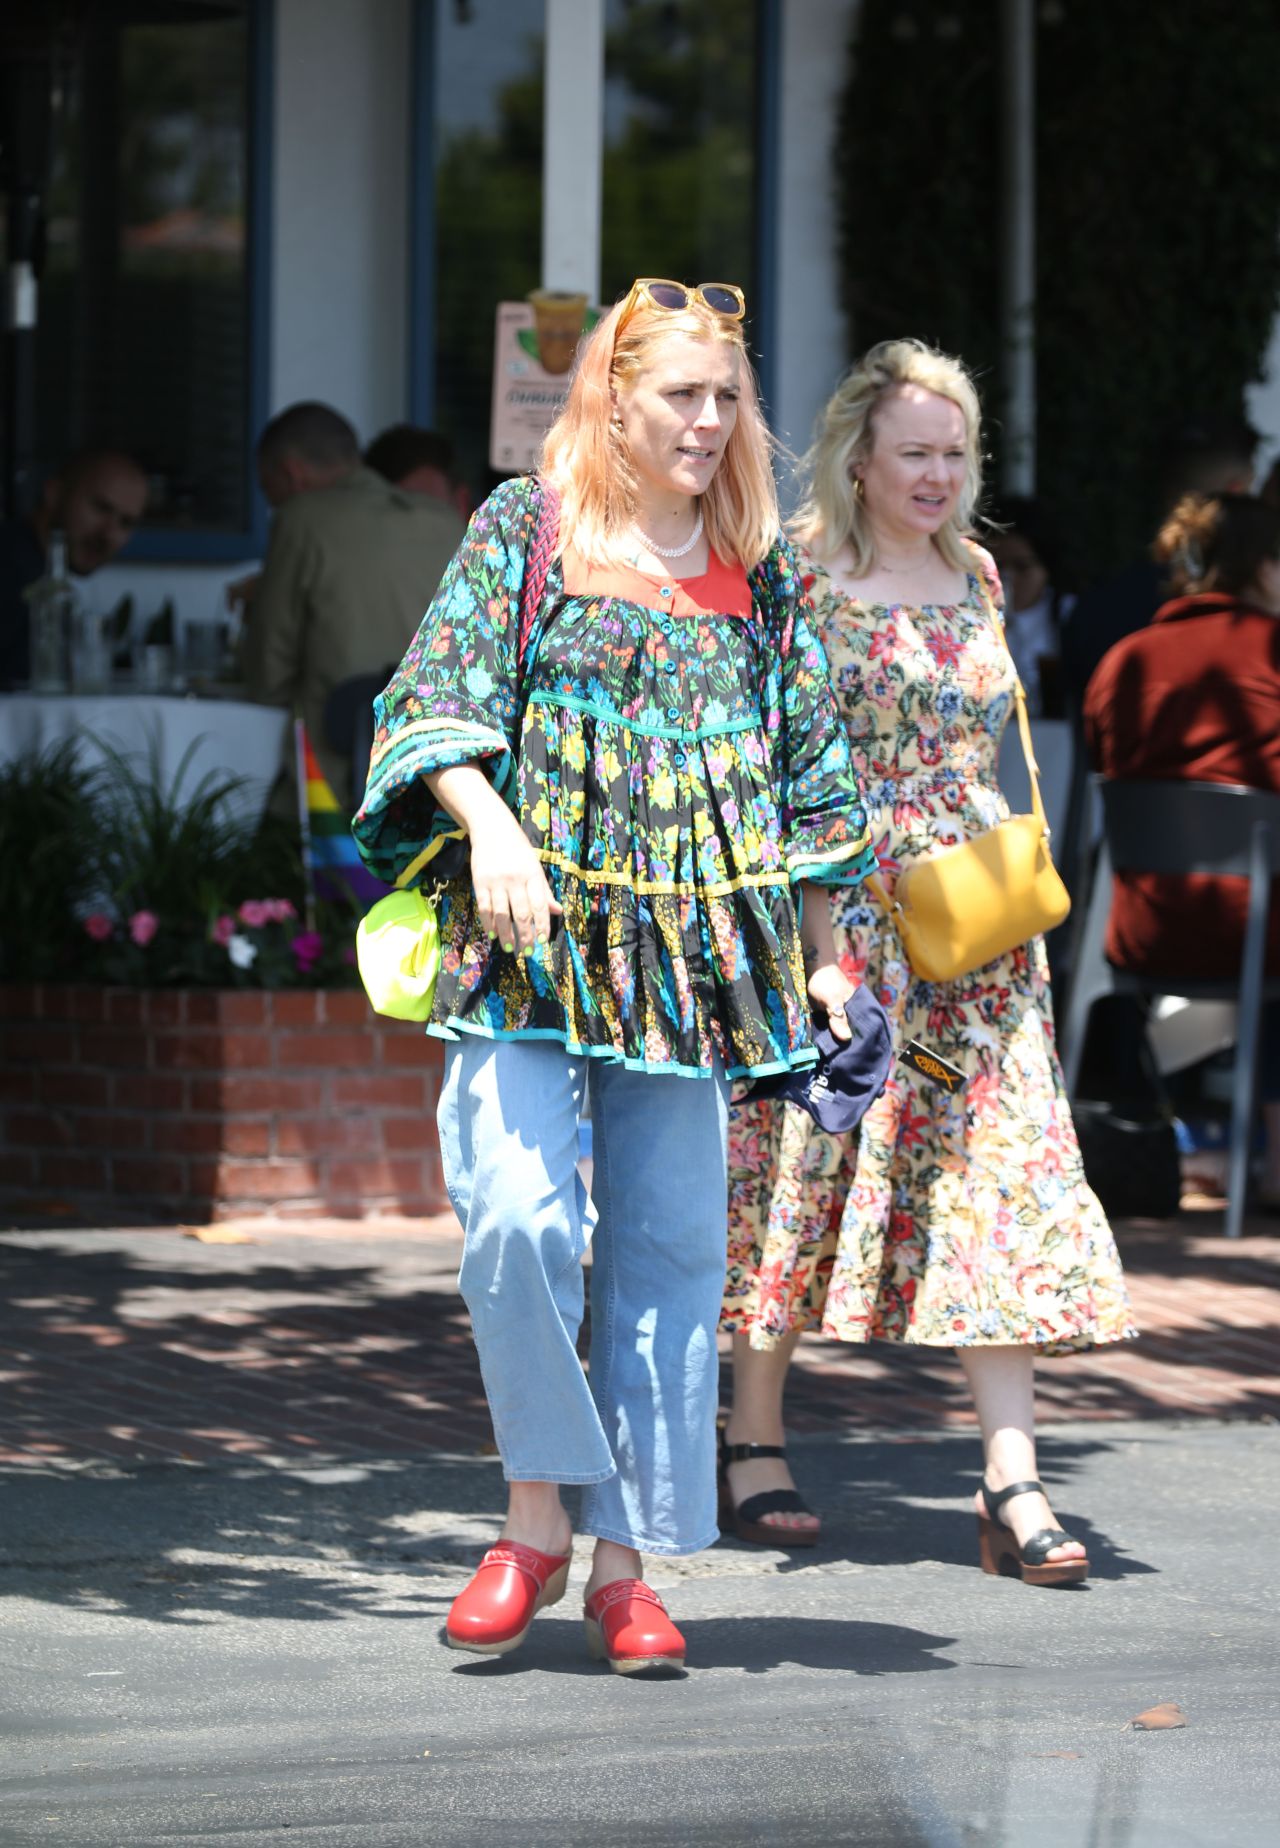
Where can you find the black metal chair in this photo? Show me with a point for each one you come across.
(1183, 829)
(348, 724)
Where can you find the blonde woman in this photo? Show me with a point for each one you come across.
(645, 794)
(959, 1221)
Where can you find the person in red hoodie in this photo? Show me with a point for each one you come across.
(1197, 696)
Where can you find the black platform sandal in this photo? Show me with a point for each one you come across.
(999, 1552)
(746, 1520)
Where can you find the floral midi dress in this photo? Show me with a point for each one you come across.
(676, 757)
(947, 1220)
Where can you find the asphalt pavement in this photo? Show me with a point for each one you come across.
(222, 1650)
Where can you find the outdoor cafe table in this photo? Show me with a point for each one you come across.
(226, 737)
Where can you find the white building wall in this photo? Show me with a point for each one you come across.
(339, 262)
(812, 343)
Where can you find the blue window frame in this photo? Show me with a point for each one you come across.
(155, 322)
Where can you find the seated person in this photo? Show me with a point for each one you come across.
(96, 501)
(351, 565)
(1023, 547)
(1196, 696)
(420, 462)
(1215, 457)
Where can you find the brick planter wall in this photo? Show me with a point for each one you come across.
(209, 1105)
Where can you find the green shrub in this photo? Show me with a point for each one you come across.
(48, 831)
(113, 875)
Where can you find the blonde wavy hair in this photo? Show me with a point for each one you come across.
(832, 514)
(585, 458)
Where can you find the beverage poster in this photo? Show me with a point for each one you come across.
(535, 343)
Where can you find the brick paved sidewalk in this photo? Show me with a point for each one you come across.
(340, 1341)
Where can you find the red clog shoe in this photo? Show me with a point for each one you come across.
(511, 1585)
(628, 1626)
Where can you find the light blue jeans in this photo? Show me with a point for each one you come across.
(641, 1438)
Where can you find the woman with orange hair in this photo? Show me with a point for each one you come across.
(649, 768)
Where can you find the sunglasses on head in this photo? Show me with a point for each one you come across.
(724, 298)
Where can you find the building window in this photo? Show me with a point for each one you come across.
(680, 136)
(679, 171)
(144, 328)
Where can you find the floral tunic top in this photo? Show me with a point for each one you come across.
(678, 769)
(951, 1219)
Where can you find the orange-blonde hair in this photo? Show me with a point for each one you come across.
(584, 454)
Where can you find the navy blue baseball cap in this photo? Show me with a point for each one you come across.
(850, 1074)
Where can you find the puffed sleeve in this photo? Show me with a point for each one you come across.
(453, 699)
(823, 816)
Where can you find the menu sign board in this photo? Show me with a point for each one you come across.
(534, 346)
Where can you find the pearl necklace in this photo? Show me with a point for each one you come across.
(670, 551)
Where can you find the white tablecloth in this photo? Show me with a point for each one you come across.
(230, 737)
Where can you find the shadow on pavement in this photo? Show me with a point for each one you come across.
(114, 1352)
(753, 1644)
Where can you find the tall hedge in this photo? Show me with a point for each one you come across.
(1158, 224)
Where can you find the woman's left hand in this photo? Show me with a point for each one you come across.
(830, 988)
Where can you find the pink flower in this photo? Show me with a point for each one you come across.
(222, 930)
(307, 947)
(143, 926)
(278, 910)
(99, 926)
(254, 912)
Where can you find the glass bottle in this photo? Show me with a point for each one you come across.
(90, 652)
(51, 617)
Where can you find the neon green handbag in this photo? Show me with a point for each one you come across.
(398, 954)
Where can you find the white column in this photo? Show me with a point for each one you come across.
(573, 146)
(1018, 256)
(338, 256)
(811, 334)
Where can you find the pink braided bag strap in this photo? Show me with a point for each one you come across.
(537, 564)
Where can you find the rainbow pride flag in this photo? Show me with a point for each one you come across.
(329, 850)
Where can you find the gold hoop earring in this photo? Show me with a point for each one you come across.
(859, 490)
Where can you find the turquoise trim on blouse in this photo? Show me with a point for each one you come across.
(703, 734)
(451, 1028)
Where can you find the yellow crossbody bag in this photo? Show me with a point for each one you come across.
(963, 906)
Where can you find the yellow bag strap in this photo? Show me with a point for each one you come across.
(415, 866)
(873, 882)
(1020, 700)
(875, 885)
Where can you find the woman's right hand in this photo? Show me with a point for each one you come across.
(513, 898)
(512, 895)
